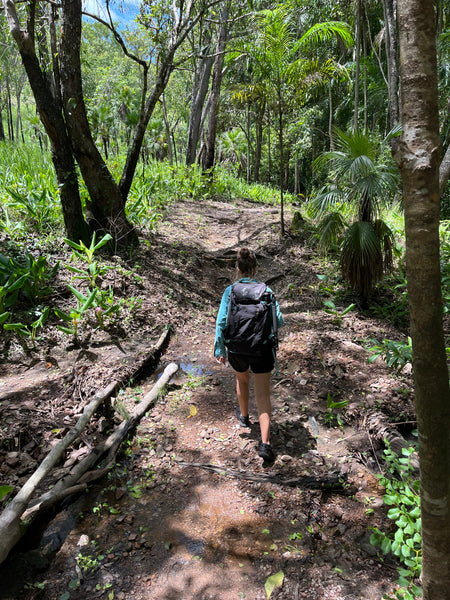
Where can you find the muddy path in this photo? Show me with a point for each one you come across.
(189, 511)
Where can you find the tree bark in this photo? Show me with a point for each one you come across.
(49, 111)
(419, 157)
(199, 91)
(260, 109)
(106, 202)
(357, 64)
(208, 161)
(444, 171)
(390, 20)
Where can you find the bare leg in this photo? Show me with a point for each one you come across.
(242, 390)
(262, 397)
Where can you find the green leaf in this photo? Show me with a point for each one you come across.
(272, 582)
(66, 330)
(105, 239)
(4, 490)
(62, 315)
(89, 301)
(3, 317)
(81, 297)
(386, 545)
(74, 245)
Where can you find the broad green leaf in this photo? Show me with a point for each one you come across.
(89, 301)
(66, 330)
(4, 490)
(62, 315)
(81, 297)
(4, 317)
(105, 239)
(272, 582)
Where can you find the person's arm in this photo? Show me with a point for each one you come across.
(219, 344)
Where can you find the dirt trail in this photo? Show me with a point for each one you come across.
(161, 528)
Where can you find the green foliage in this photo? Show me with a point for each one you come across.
(84, 303)
(28, 282)
(396, 354)
(358, 179)
(332, 406)
(445, 264)
(28, 190)
(87, 254)
(402, 495)
(28, 330)
(338, 315)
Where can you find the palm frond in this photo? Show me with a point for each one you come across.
(328, 199)
(387, 241)
(330, 229)
(361, 257)
(326, 31)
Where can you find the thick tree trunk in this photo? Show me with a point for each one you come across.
(50, 114)
(106, 203)
(419, 163)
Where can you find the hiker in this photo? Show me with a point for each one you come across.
(261, 362)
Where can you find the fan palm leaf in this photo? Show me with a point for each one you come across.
(361, 257)
(330, 229)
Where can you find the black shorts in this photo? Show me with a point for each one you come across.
(258, 364)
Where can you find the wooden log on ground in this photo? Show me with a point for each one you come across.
(80, 473)
(12, 525)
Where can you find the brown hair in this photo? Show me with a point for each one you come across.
(246, 262)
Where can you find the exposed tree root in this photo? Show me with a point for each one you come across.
(336, 483)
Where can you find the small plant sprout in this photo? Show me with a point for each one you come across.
(331, 309)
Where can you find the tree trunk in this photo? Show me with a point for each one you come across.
(281, 144)
(357, 64)
(199, 91)
(444, 171)
(419, 163)
(105, 197)
(390, 19)
(50, 114)
(208, 161)
(140, 129)
(259, 118)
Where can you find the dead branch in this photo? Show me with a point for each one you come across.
(11, 522)
(332, 483)
(80, 473)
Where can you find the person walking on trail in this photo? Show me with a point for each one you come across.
(254, 298)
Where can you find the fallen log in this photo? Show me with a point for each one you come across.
(12, 525)
(10, 519)
(335, 482)
(80, 473)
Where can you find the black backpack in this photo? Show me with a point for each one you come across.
(251, 326)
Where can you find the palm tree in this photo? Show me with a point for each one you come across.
(284, 63)
(361, 183)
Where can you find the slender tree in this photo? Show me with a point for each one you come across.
(290, 73)
(418, 159)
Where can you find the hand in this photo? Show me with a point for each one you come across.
(221, 360)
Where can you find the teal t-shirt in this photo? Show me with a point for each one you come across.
(219, 344)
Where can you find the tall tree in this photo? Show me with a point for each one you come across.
(285, 62)
(418, 159)
(208, 161)
(50, 111)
